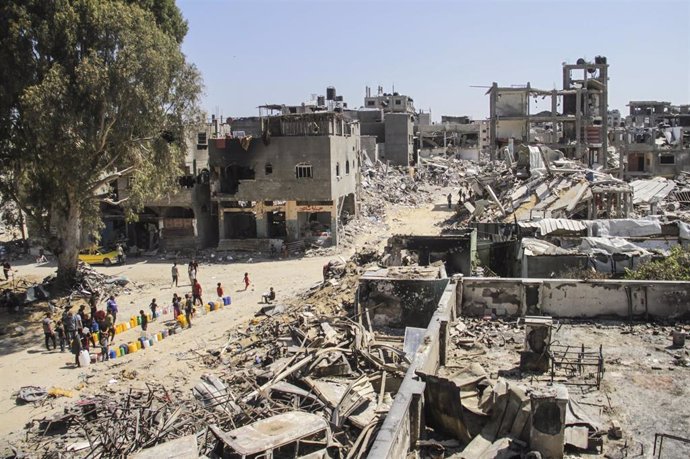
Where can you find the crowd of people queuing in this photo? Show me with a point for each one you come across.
(95, 328)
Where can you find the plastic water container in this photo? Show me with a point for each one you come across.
(227, 301)
(138, 320)
(127, 325)
(132, 348)
(145, 343)
(112, 354)
(95, 337)
(182, 320)
(151, 341)
(164, 333)
(219, 305)
(159, 336)
(84, 358)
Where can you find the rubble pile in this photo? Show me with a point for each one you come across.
(106, 426)
(469, 332)
(383, 184)
(310, 357)
(89, 281)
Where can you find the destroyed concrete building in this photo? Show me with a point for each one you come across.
(656, 140)
(573, 120)
(181, 220)
(291, 177)
(390, 118)
(456, 136)
(455, 252)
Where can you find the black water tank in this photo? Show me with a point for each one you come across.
(338, 98)
(580, 61)
(600, 60)
(321, 101)
(330, 93)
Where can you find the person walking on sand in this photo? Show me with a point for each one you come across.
(219, 291)
(104, 348)
(246, 281)
(144, 321)
(111, 307)
(153, 306)
(188, 307)
(177, 307)
(196, 292)
(120, 255)
(191, 273)
(6, 268)
(109, 326)
(49, 332)
(76, 347)
(175, 274)
(62, 336)
(450, 200)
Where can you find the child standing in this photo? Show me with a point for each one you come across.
(246, 281)
(153, 307)
(104, 348)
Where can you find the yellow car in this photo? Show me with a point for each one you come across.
(98, 256)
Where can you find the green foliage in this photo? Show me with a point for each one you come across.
(91, 90)
(675, 267)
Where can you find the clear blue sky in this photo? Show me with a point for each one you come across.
(257, 52)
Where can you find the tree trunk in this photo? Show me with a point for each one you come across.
(67, 221)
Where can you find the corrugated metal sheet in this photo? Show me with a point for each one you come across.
(556, 225)
(652, 190)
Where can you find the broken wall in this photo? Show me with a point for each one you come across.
(400, 303)
(567, 298)
(273, 166)
(457, 251)
(398, 132)
(404, 422)
(539, 266)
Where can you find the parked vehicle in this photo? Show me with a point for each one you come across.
(98, 256)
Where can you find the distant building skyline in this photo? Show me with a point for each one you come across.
(444, 55)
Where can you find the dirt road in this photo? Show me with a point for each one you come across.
(25, 361)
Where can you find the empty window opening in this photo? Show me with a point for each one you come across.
(667, 159)
(337, 169)
(303, 171)
(371, 103)
(398, 102)
(201, 138)
(268, 169)
(347, 167)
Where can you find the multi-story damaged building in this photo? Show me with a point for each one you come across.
(457, 136)
(390, 118)
(573, 120)
(181, 220)
(656, 140)
(291, 177)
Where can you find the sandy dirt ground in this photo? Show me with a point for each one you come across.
(176, 360)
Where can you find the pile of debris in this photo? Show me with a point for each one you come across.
(105, 426)
(383, 184)
(88, 281)
(311, 362)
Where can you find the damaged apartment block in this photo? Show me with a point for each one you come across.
(573, 120)
(286, 178)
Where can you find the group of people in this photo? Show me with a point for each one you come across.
(77, 331)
